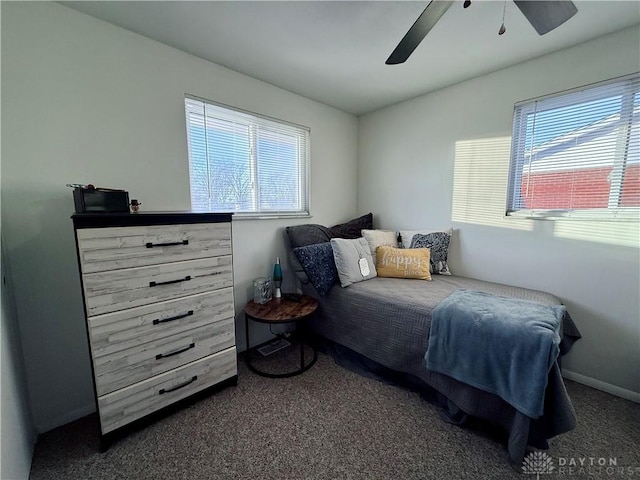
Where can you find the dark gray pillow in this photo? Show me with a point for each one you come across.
(438, 243)
(317, 262)
(308, 234)
(352, 228)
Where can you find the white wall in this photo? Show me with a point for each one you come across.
(84, 101)
(18, 436)
(405, 176)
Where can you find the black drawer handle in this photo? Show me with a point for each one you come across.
(171, 319)
(168, 244)
(178, 387)
(185, 279)
(175, 352)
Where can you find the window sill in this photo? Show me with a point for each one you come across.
(240, 216)
(630, 215)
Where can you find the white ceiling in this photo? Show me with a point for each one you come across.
(334, 51)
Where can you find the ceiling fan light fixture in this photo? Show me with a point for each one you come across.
(545, 16)
(502, 27)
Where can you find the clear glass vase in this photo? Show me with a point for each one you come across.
(262, 290)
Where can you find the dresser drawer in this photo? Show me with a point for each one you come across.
(115, 248)
(135, 401)
(127, 367)
(117, 331)
(132, 287)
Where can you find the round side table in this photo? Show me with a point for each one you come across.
(278, 311)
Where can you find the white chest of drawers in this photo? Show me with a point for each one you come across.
(158, 297)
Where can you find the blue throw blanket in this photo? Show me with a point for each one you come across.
(500, 345)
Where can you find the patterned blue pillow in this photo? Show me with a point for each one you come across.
(317, 262)
(438, 243)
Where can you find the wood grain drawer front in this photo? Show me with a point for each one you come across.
(121, 289)
(127, 367)
(117, 331)
(131, 403)
(114, 248)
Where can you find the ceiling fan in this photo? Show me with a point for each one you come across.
(544, 16)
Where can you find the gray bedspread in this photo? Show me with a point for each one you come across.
(387, 320)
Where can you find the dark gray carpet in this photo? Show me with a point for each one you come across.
(329, 423)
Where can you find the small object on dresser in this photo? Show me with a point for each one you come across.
(277, 278)
(262, 290)
(135, 206)
(91, 199)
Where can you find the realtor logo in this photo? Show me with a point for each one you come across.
(537, 463)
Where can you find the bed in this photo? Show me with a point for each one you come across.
(388, 320)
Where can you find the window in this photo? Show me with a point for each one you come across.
(577, 154)
(245, 163)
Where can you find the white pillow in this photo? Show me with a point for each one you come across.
(353, 260)
(407, 235)
(380, 238)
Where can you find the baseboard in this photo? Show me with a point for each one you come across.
(600, 385)
(50, 424)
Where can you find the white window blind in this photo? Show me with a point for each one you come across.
(577, 154)
(245, 163)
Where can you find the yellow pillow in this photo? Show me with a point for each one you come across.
(403, 262)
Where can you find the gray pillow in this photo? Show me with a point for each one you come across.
(348, 255)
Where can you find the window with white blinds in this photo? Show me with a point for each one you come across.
(245, 163)
(577, 154)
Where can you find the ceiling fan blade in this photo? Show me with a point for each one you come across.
(425, 22)
(544, 16)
